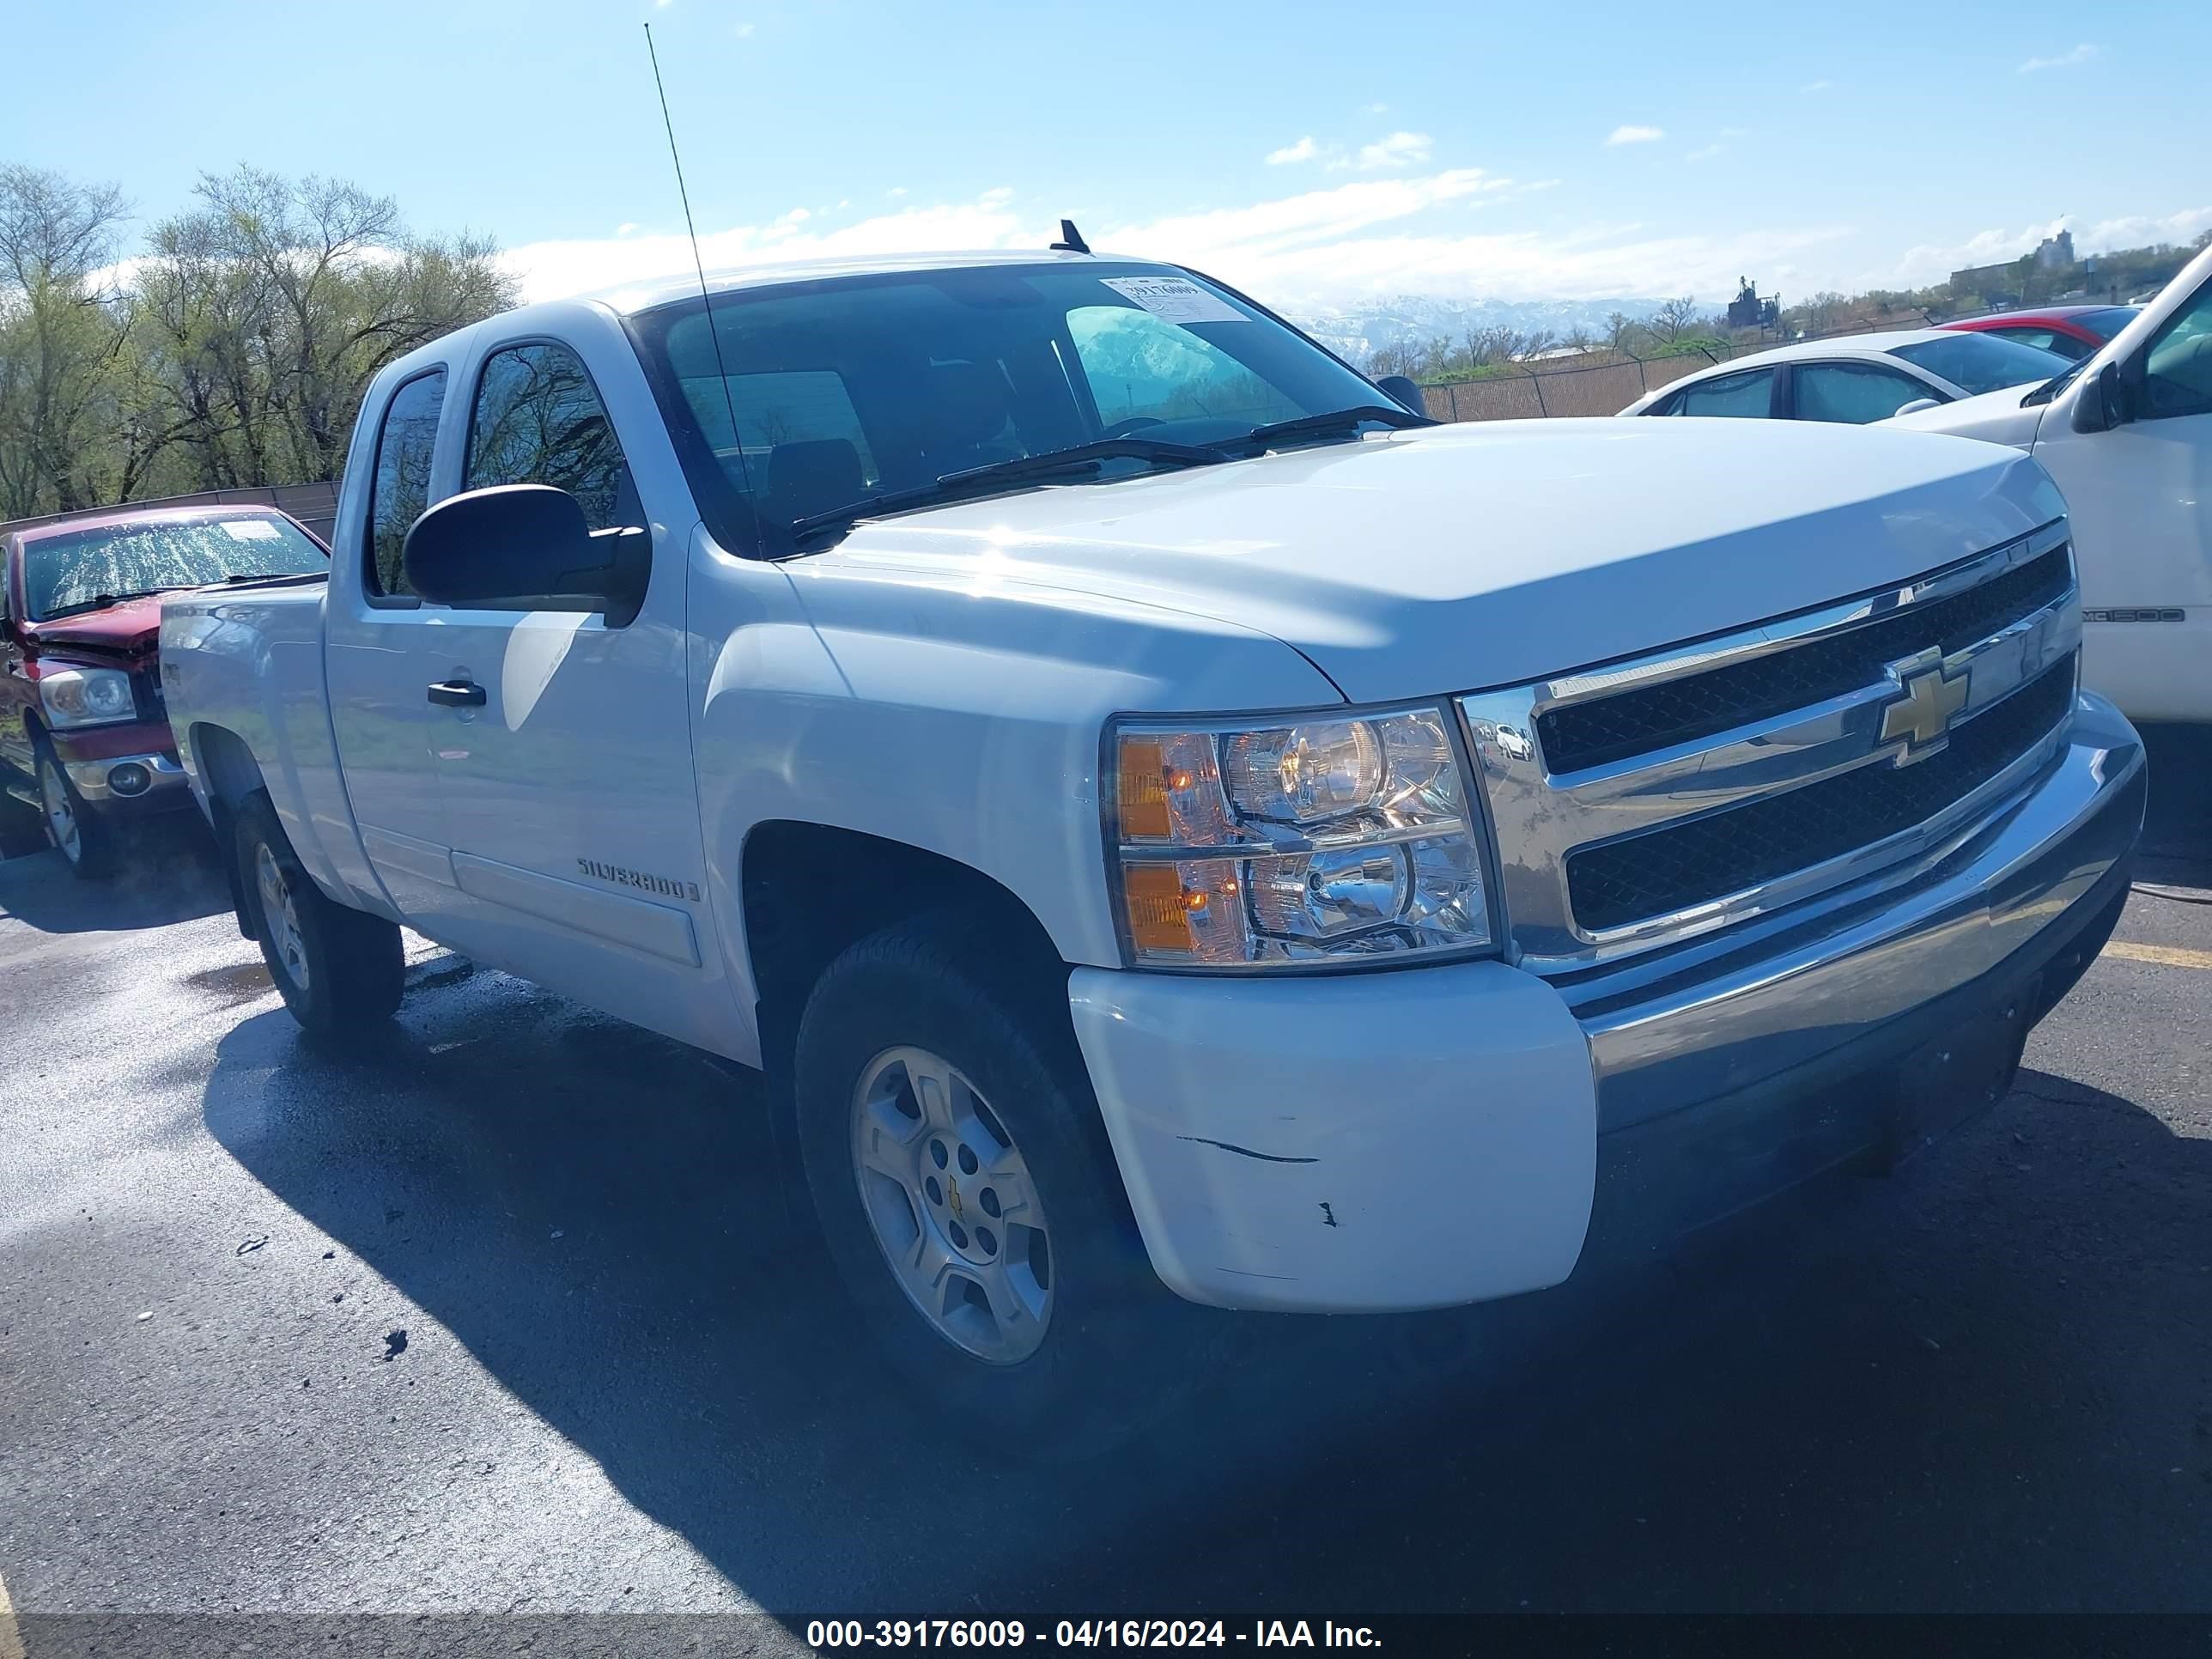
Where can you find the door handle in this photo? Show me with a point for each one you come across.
(458, 694)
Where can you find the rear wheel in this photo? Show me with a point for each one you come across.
(86, 843)
(956, 1159)
(340, 971)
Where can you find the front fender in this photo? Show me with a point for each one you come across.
(963, 721)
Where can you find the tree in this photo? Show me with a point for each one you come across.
(62, 332)
(269, 308)
(1674, 320)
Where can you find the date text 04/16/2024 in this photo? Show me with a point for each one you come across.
(825, 1635)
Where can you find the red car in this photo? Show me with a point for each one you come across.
(84, 737)
(2072, 331)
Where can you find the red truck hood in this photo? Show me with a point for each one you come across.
(132, 629)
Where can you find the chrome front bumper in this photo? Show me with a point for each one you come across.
(164, 778)
(1773, 996)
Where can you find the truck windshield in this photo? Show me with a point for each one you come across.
(85, 569)
(851, 388)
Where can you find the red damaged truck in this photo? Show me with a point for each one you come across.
(84, 737)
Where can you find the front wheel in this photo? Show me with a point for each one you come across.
(339, 970)
(86, 842)
(956, 1159)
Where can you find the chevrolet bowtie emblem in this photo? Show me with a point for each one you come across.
(1931, 700)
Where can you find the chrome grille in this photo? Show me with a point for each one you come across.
(1644, 802)
(1706, 858)
(1585, 734)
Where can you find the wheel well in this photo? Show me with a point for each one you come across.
(809, 891)
(230, 773)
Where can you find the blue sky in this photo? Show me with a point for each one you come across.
(1315, 153)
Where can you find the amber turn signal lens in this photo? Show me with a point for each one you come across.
(1159, 911)
(1144, 794)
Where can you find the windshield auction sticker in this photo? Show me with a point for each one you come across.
(1174, 299)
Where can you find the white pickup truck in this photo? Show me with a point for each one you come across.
(2127, 434)
(1173, 816)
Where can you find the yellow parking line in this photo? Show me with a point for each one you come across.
(2166, 956)
(11, 1644)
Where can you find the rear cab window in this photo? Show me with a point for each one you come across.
(406, 441)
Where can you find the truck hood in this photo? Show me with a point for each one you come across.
(1448, 558)
(132, 629)
(1994, 417)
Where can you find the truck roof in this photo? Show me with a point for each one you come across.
(630, 297)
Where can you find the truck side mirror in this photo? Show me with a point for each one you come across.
(525, 547)
(2103, 403)
(1405, 391)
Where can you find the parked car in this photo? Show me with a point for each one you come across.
(84, 739)
(2127, 434)
(2072, 331)
(1855, 380)
(1173, 820)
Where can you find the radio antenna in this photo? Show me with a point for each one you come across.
(705, 297)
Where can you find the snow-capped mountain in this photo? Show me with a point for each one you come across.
(1355, 332)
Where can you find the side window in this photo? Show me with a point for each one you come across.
(1746, 397)
(401, 483)
(538, 419)
(2049, 338)
(1853, 394)
(1145, 370)
(2178, 368)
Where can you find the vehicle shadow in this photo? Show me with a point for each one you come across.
(167, 872)
(595, 1214)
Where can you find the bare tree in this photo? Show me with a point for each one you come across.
(61, 338)
(1674, 320)
(270, 307)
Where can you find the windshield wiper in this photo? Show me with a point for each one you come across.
(1336, 420)
(100, 602)
(953, 486)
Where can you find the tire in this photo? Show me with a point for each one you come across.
(84, 839)
(340, 971)
(1113, 1348)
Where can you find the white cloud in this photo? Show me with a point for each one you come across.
(1378, 109)
(1933, 261)
(628, 228)
(1728, 133)
(744, 29)
(1815, 86)
(898, 190)
(796, 216)
(1634, 135)
(1304, 150)
(1705, 153)
(2080, 54)
(1360, 239)
(2141, 230)
(1399, 149)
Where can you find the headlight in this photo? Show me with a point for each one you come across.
(87, 697)
(1314, 840)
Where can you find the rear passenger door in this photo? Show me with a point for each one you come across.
(569, 794)
(380, 645)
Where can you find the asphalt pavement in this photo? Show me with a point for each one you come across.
(513, 1327)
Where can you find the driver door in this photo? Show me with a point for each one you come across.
(567, 781)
